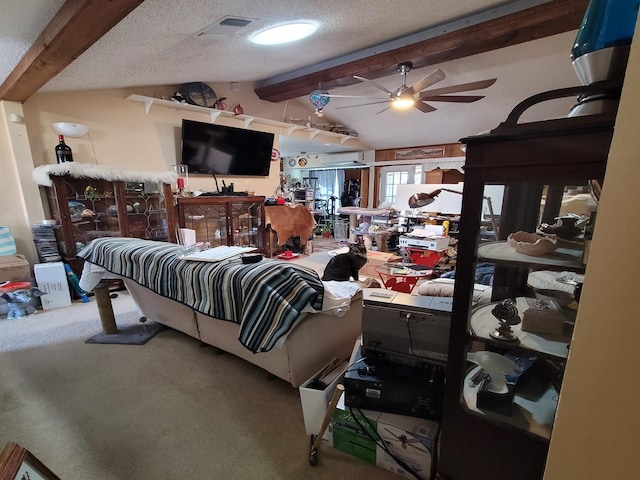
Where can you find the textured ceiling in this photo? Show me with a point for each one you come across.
(157, 45)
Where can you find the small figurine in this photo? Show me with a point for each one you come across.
(220, 105)
(178, 98)
(238, 110)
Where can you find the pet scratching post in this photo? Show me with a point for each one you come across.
(105, 309)
(125, 335)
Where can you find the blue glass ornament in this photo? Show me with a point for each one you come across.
(319, 98)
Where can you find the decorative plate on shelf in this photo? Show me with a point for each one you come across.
(302, 161)
(292, 162)
(198, 93)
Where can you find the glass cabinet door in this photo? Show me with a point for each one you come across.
(86, 209)
(230, 221)
(209, 220)
(146, 211)
(89, 208)
(535, 265)
(247, 222)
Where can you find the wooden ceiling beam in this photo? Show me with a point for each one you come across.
(544, 20)
(74, 28)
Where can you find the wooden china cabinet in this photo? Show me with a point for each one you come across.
(497, 437)
(222, 220)
(88, 208)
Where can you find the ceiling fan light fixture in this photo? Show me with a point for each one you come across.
(403, 102)
(284, 33)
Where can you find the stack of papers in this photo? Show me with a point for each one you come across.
(217, 254)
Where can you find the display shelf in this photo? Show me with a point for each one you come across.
(534, 165)
(246, 120)
(532, 416)
(564, 258)
(483, 323)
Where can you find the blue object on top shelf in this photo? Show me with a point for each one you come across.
(606, 23)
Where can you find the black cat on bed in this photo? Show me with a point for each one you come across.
(346, 265)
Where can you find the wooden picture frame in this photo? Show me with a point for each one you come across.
(18, 463)
(419, 152)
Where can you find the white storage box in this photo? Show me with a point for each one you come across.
(51, 278)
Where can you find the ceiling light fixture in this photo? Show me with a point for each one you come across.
(73, 130)
(284, 33)
(404, 101)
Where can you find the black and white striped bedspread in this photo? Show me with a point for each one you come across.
(265, 299)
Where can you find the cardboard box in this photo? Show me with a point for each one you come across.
(411, 440)
(439, 175)
(377, 258)
(14, 268)
(51, 278)
(543, 316)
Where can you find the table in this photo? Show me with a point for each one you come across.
(401, 277)
(366, 213)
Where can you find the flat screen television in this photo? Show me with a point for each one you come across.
(220, 150)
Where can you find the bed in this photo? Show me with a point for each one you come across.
(275, 314)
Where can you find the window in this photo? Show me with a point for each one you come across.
(391, 177)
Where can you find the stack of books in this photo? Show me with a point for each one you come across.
(46, 245)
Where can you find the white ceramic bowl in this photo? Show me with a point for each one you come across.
(532, 243)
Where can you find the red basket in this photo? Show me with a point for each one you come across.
(13, 286)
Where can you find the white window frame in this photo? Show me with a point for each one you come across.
(414, 174)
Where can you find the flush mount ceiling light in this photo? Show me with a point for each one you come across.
(284, 33)
(73, 130)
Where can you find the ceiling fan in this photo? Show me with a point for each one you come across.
(415, 95)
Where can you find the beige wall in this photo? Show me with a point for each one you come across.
(596, 430)
(19, 195)
(120, 134)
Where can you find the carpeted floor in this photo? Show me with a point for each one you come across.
(171, 408)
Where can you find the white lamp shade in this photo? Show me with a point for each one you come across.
(71, 129)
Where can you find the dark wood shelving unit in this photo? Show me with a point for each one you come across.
(532, 162)
(109, 208)
(225, 220)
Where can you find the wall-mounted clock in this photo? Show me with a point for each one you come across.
(198, 93)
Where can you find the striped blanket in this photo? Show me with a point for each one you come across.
(265, 299)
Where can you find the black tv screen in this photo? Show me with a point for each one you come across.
(217, 149)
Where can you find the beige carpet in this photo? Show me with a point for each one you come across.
(169, 409)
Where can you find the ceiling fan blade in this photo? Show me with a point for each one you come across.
(462, 87)
(424, 107)
(331, 95)
(362, 104)
(426, 81)
(451, 98)
(371, 82)
(384, 109)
